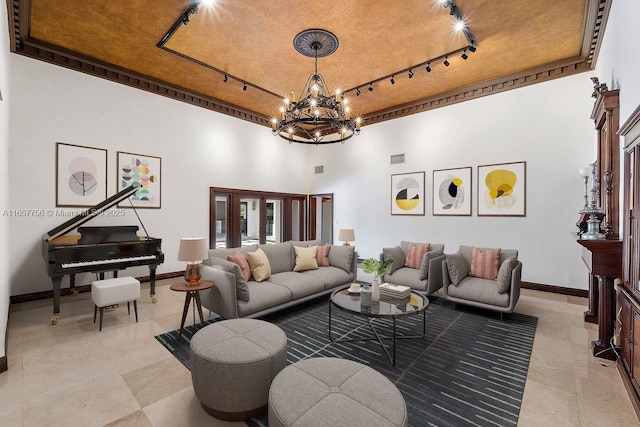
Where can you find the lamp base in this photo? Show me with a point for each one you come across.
(192, 274)
(346, 244)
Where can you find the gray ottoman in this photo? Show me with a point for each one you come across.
(327, 391)
(232, 365)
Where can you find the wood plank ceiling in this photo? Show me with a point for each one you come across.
(251, 42)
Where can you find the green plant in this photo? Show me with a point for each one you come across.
(375, 267)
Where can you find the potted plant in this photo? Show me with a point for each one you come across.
(378, 269)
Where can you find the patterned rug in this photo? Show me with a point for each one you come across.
(468, 370)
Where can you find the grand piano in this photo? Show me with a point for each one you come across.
(98, 249)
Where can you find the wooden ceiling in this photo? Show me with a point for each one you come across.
(251, 42)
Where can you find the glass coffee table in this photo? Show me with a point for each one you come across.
(384, 308)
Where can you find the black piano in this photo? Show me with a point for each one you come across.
(98, 249)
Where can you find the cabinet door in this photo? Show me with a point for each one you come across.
(635, 355)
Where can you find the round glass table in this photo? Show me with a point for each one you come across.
(386, 307)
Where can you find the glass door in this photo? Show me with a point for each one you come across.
(250, 221)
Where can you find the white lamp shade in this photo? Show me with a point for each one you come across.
(584, 172)
(347, 235)
(193, 249)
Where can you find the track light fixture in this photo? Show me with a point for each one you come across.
(410, 74)
(225, 79)
(357, 91)
(428, 67)
(464, 55)
(370, 87)
(244, 86)
(393, 81)
(446, 62)
(472, 48)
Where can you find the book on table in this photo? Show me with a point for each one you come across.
(395, 291)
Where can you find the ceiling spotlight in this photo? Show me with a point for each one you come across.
(472, 48)
(393, 80)
(428, 67)
(370, 87)
(225, 78)
(357, 91)
(459, 25)
(464, 55)
(446, 62)
(244, 86)
(410, 74)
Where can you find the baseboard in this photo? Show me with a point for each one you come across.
(35, 296)
(555, 289)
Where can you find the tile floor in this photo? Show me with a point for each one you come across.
(73, 375)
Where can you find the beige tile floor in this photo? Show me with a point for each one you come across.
(73, 375)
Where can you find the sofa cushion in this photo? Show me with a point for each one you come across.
(396, 256)
(280, 256)
(241, 259)
(458, 268)
(299, 284)
(415, 254)
(306, 258)
(322, 257)
(484, 263)
(341, 257)
(242, 290)
(424, 267)
(259, 263)
(479, 290)
(408, 277)
(263, 296)
(504, 274)
(330, 276)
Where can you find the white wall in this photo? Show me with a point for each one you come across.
(4, 182)
(547, 125)
(199, 149)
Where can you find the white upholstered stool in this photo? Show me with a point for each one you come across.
(105, 293)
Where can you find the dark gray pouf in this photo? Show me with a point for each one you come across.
(327, 391)
(232, 365)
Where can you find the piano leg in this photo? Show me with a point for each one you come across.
(56, 299)
(152, 282)
(72, 284)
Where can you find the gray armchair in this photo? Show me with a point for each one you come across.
(501, 294)
(426, 280)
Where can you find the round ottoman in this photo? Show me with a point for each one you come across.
(232, 365)
(327, 391)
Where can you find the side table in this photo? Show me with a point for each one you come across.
(192, 292)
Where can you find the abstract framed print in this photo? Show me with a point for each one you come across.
(407, 194)
(81, 175)
(451, 194)
(144, 172)
(502, 189)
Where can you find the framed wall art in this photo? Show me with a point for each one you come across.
(452, 192)
(502, 189)
(81, 175)
(407, 194)
(144, 172)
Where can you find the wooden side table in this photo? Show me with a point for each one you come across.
(192, 292)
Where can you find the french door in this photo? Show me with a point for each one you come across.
(244, 217)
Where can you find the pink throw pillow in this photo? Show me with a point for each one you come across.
(241, 259)
(484, 263)
(415, 254)
(323, 255)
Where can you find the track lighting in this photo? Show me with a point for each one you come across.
(472, 48)
(464, 55)
(428, 67)
(225, 78)
(446, 62)
(370, 87)
(410, 74)
(357, 91)
(244, 86)
(393, 80)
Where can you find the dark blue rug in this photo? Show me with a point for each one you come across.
(469, 370)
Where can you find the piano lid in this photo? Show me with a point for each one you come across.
(90, 213)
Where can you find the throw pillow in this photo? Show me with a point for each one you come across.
(323, 256)
(259, 264)
(504, 274)
(484, 263)
(415, 254)
(306, 258)
(241, 259)
(458, 268)
(424, 267)
(396, 256)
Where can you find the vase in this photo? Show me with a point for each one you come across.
(365, 295)
(375, 290)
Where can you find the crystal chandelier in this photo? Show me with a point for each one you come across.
(316, 117)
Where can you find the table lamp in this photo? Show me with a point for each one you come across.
(192, 250)
(346, 235)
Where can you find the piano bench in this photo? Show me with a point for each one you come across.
(106, 293)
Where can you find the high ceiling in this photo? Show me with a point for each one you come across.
(251, 42)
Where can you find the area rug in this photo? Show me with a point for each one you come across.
(469, 370)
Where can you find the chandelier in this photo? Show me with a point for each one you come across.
(317, 117)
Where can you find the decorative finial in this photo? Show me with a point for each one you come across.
(598, 87)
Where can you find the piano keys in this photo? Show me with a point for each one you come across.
(97, 249)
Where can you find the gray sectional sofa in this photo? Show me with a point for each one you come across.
(234, 297)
